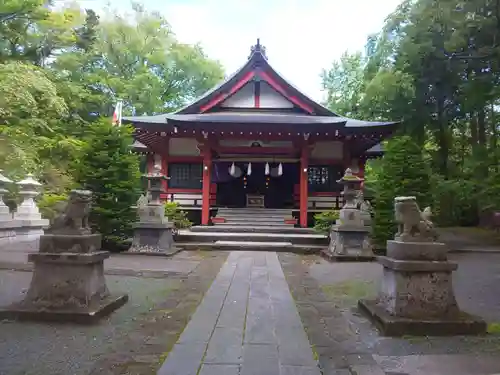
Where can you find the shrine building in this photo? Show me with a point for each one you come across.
(256, 141)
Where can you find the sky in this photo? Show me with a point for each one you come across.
(301, 37)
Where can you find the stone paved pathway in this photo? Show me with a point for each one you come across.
(244, 326)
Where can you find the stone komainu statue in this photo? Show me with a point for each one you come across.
(413, 225)
(74, 218)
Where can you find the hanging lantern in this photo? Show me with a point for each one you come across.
(249, 171)
(280, 170)
(267, 169)
(232, 171)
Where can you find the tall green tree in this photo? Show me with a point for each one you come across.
(110, 170)
(401, 172)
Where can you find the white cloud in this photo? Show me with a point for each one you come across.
(301, 36)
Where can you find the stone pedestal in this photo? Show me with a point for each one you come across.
(350, 236)
(416, 294)
(153, 238)
(349, 243)
(153, 233)
(68, 282)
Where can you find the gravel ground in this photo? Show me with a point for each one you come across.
(476, 281)
(133, 340)
(345, 341)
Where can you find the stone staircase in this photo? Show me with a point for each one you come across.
(255, 229)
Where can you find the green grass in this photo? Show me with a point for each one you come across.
(493, 328)
(350, 291)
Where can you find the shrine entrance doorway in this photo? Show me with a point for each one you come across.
(252, 187)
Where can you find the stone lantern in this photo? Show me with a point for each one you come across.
(5, 213)
(27, 212)
(350, 236)
(153, 233)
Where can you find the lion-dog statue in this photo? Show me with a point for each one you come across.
(413, 225)
(74, 218)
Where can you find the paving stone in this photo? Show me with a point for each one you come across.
(227, 335)
(296, 354)
(260, 330)
(184, 359)
(260, 360)
(198, 331)
(299, 370)
(211, 369)
(366, 370)
(224, 353)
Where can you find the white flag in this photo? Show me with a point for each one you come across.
(117, 114)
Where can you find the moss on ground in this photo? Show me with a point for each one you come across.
(347, 293)
(494, 328)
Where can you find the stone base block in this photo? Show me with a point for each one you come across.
(424, 251)
(153, 238)
(350, 243)
(78, 244)
(346, 258)
(391, 325)
(417, 289)
(82, 316)
(66, 281)
(8, 228)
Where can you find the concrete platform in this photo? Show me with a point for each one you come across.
(280, 229)
(306, 238)
(256, 246)
(89, 316)
(390, 325)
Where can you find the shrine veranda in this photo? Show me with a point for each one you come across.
(256, 141)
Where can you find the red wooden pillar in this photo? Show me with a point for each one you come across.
(207, 170)
(303, 180)
(361, 166)
(164, 170)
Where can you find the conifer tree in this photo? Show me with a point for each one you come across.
(402, 172)
(111, 171)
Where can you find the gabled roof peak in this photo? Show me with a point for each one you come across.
(258, 49)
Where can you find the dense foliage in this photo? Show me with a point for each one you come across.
(323, 221)
(436, 66)
(177, 216)
(402, 172)
(108, 169)
(62, 70)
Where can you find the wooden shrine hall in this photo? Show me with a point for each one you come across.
(256, 141)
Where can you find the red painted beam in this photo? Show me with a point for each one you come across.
(256, 150)
(218, 99)
(275, 85)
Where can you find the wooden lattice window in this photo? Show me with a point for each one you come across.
(185, 175)
(323, 178)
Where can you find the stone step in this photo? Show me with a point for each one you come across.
(250, 211)
(257, 216)
(286, 228)
(253, 246)
(253, 218)
(254, 224)
(311, 239)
